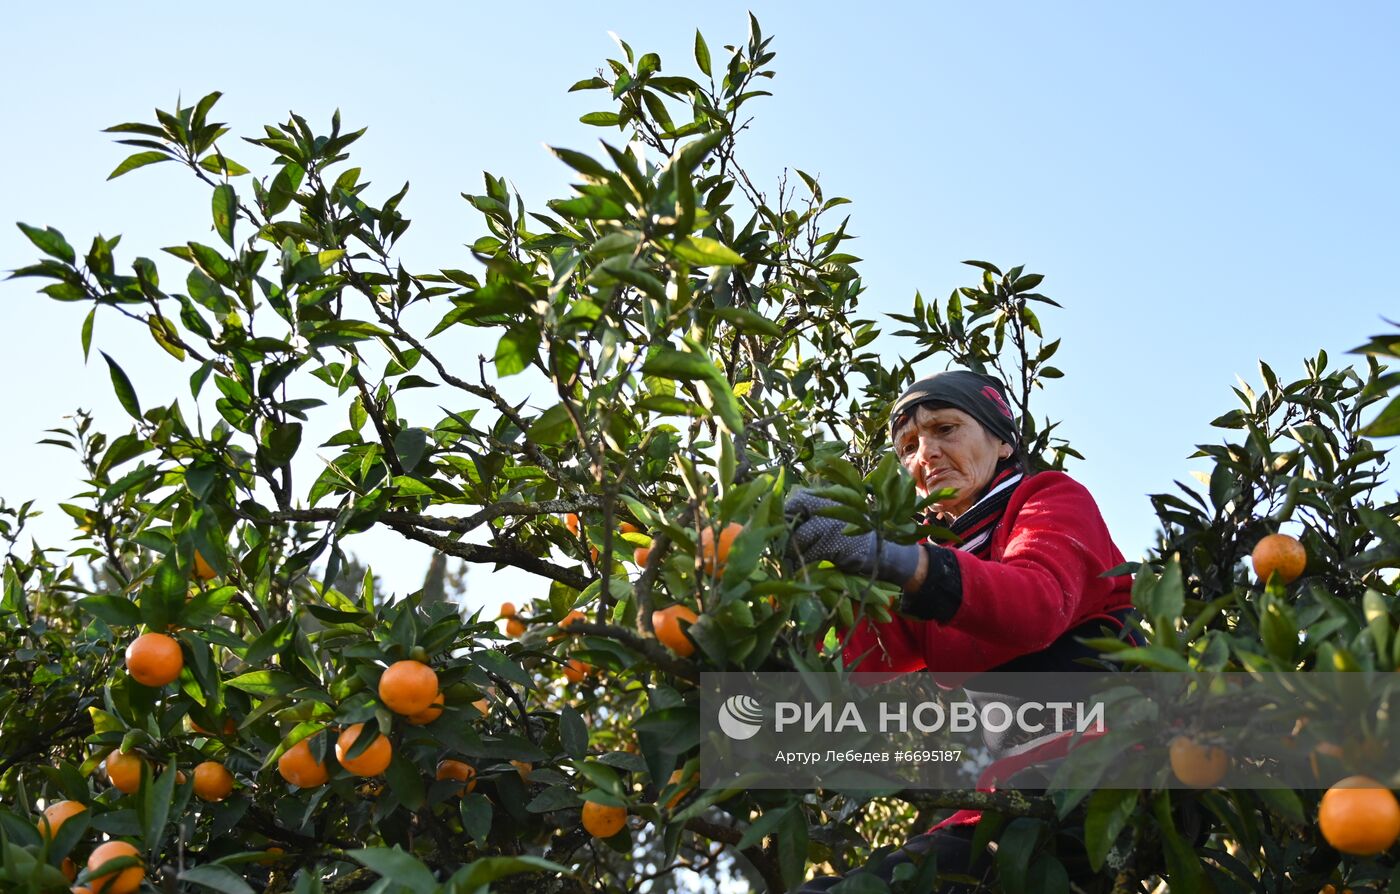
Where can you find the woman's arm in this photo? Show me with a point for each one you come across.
(990, 611)
(1055, 553)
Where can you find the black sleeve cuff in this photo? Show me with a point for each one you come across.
(940, 595)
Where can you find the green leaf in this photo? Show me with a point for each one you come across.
(763, 827)
(219, 164)
(1156, 657)
(1014, 850)
(139, 160)
(410, 444)
(489, 869)
(392, 863)
(706, 251)
(573, 733)
(284, 187)
(1377, 619)
(405, 782)
(746, 320)
(102, 722)
(122, 386)
(1184, 870)
(584, 164)
(265, 682)
(476, 816)
(1108, 813)
(216, 878)
(669, 363)
(497, 663)
(50, 242)
(270, 640)
(206, 606)
(702, 53)
(117, 611)
(716, 394)
(552, 427)
(792, 847)
(602, 777)
(1387, 424)
(154, 807)
(1284, 802)
(516, 350)
(601, 119)
(408, 486)
(1169, 596)
(1048, 876)
(556, 797)
(225, 204)
(87, 332)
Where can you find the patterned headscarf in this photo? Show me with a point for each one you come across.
(980, 396)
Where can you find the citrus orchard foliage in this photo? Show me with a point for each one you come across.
(195, 679)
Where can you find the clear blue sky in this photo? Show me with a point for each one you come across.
(1202, 184)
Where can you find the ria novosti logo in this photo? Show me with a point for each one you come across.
(740, 716)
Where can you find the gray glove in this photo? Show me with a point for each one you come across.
(816, 537)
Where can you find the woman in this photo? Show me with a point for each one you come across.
(1016, 591)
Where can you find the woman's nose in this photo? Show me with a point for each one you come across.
(929, 449)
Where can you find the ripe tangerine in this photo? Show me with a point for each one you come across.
(229, 727)
(1359, 816)
(370, 762)
(577, 671)
(667, 624)
(408, 687)
(714, 557)
(212, 781)
(298, 765)
(603, 821)
(428, 714)
(122, 881)
(202, 569)
(459, 770)
(124, 771)
(56, 814)
(1199, 766)
(571, 618)
(154, 659)
(685, 790)
(1281, 554)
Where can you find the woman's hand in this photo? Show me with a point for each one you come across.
(817, 537)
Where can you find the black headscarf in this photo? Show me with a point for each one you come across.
(980, 396)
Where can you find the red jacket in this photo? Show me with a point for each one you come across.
(1042, 579)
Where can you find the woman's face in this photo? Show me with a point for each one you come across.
(944, 447)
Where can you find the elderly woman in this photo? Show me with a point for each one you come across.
(1015, 592)
(1022, 583)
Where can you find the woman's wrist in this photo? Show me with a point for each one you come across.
(939, 592)
(920, 573)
